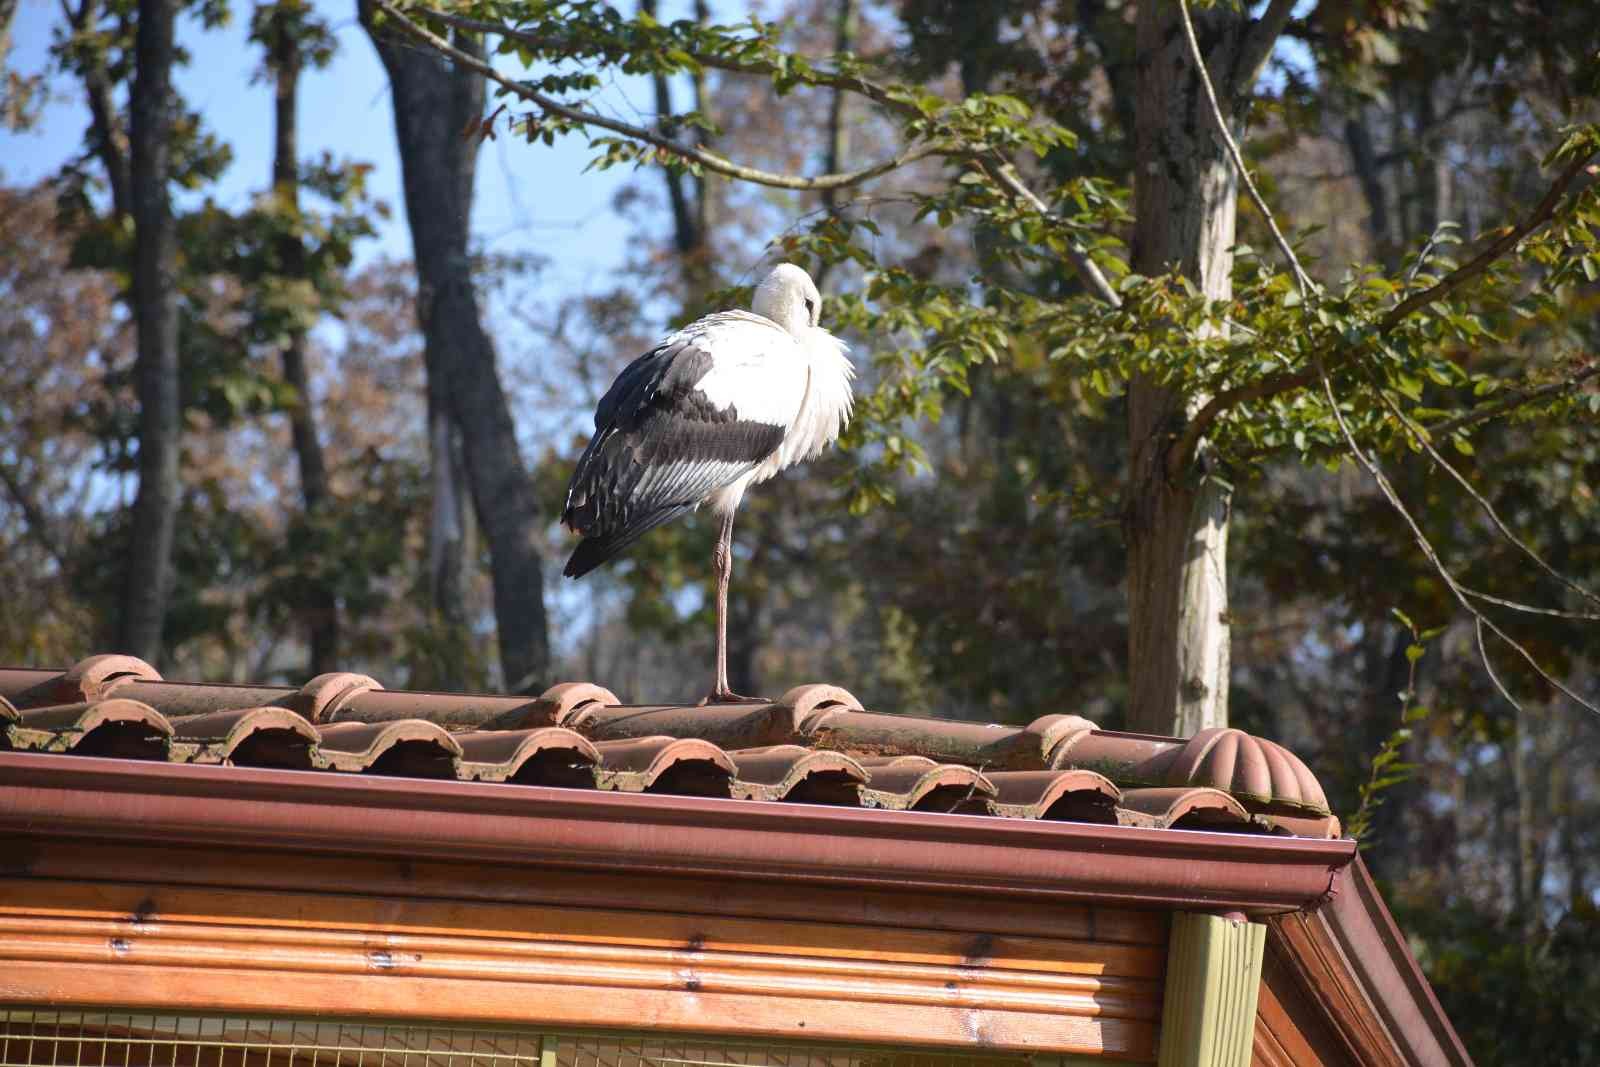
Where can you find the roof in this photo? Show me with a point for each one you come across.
(817, 744)
(107, 753)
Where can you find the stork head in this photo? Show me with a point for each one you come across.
(789, 298)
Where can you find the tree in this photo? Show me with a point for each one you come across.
(1254, 373)
(291, 36)
(147, 582)
(437, 106)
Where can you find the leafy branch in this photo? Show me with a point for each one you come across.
(1345, 352)
(1388, 769)
(689, 153)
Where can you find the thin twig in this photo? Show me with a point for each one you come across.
(1422, 438)
(1422, 256)
(1513, 401)
(1488, 666)
(1532, 609)
(1302, 280)
(1428, 550)
(694, 154)
(1088, 271)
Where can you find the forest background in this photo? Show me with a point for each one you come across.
(322, 415)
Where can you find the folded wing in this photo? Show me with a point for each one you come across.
(689, 417)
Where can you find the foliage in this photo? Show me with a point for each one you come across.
(1514, 999)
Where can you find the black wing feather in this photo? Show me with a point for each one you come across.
(660, 447)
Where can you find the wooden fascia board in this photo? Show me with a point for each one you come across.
(1208, 1014)
(137, 946)
(1349, 956)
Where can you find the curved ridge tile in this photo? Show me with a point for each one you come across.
(94, 678)
(1071, 795)
(1247, 766)
(563, 700)
(1048, 733)
(794, 772)
(411, 748)
(322, 697)
(543, 755)
(664, 764)
(809, 705)
(254, 737)
(116, 726)
(1164, 807)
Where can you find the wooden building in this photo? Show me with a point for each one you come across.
(344, 875)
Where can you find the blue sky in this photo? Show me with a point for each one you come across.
(530, 198)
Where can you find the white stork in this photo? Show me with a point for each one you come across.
(727, 401)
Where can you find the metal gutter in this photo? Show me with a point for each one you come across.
(240, 807)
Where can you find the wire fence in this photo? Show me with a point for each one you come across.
(30, 1038)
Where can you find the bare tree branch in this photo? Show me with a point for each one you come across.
(838, 132)
(709, 160)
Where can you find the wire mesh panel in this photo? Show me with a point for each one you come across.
(665, 1050)
(122, 1039)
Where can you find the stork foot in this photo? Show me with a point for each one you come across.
(727, 696)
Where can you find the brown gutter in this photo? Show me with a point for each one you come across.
(171, 804)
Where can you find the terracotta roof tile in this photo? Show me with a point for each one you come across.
(793, 772)
(255, 737)
(917, 783)
(1166, 807)
(666, 765)
(115, 726)
(547, 755)
(814, 745)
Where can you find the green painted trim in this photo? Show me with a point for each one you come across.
(1208, 1015)
(1075, 1059)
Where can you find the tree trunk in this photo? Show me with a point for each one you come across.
(433, 103)
(447, 541)
(322, 607)
(148, 580)
(1185, 194)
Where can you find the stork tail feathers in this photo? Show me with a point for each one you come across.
(594, 551)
